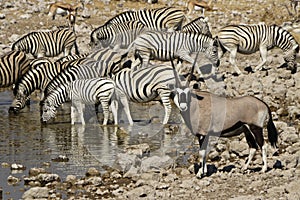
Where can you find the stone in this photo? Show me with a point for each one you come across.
(36, 193)
(156, 162)
(92, 172)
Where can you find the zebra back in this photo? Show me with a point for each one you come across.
(13, 65)
(120, 35)
(47, 43)
(123, 17)
(198, 25)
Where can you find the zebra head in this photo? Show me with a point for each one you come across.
(290, 58)
(49, 111)
(20, 101)
(211, 52)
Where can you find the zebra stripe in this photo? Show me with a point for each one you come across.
(102, 63)
(247, 39)
(13, 65)
(168, 46)
(165, 18)
(47, 43)
(147, 84)
(198, 25)
(85, 91)
(116, 35)
(41, 73)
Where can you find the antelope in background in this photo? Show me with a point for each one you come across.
(195, 4)
(65, 9)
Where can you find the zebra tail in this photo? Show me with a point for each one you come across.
(272, 131)
(76, 48)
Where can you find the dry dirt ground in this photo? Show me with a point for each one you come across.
(277, 87)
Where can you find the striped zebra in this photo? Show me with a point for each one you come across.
(116, 35)
(164, 18)
(247, 39)
(47, 43)
(37, 78)
(147, 84)
(168, 46)
(13, 65)
(198, 25)
(81, 92)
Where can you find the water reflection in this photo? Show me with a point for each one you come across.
(26, 141)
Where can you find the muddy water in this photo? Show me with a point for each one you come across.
(24, 140)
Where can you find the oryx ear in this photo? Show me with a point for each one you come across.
(198, 97)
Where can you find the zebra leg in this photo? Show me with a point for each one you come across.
(73, 112)
(185, 56)
(166, 102)
(232, 60)
(105, 107)
(125, 104)
(263, 54)
(114, 110)
(80, 111)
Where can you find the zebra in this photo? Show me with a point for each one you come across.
(247, 39)
(13, 65)
(116, 35)
(83, 91)
(47, 43)
(147, 84)
(167, 46)
(198, 25)
(41, 73)
(164, 18)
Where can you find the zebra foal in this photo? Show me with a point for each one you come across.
(81, 92)
(248, 39)
(13, 65)
(168, 46)
(47, 43)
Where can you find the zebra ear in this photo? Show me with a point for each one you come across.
(171, 87)
(296, 48)
(216, 41)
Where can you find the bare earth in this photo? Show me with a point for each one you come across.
(277, 86)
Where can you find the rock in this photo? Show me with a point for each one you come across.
(156, 163)
(17, 167)
(2, 16)
(36, 193)
(60, 158)
(36, 171)
(71, 179)
(240, 148)
(48, 178)
(125, 161)
(139, 150)
(11, 180)
(92, 172)
(95, 181)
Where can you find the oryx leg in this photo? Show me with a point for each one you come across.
(203, 142)
(263, 54)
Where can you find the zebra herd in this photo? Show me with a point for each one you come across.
(118, 69)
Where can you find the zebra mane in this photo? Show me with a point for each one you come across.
(117, 16)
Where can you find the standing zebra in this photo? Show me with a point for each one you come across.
(13, 65)
(116, 35)
(247, 39)
(147, 84)
(165, 18)
(198, 25)
(41, 73)
(47, 43)
(83, 91)
(167, 46)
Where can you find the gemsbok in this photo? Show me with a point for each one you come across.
(206, 114)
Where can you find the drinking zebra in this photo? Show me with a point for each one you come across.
(116, 35)
(147, 84)
(165, 18)
(247, 39)
(81, 92)
(42, 71)
(13, 65)
(47, 43)
(167, 46)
